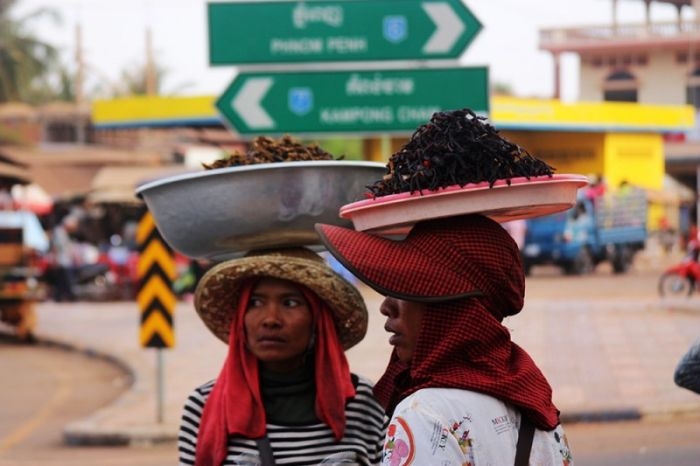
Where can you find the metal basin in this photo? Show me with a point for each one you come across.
(223, 213)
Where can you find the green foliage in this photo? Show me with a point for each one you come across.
(10, 136)
(25, 61)
(351, 148)
(31, 72)
(133, 81)
(501, 88)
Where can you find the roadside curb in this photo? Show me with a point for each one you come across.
(90, 431)
(601, 416)
(685, 411)
(97, 430)
(121, 364)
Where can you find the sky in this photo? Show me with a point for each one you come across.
(114, 39)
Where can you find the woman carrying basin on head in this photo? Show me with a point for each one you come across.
(285, 394)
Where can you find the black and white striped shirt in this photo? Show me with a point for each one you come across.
(298, 445)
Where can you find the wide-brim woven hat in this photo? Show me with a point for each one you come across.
(218, 290)
(440, 260)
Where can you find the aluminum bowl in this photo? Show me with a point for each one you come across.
(223, 213)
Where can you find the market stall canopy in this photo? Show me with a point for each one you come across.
(14, 174)
(66, 171)
(15, 110)
(64, 181)
(117, 184)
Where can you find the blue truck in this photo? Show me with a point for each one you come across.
(611, 227)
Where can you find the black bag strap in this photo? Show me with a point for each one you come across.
(525, 435)
(265, 451)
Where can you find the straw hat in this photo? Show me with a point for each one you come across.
(219, 289)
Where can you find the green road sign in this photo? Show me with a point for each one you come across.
(375, 101)
(338, 31)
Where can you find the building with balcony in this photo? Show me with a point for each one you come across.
(653, 62)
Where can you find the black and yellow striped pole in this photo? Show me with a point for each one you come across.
(156, 271)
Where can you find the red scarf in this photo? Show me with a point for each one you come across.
(235, 406)
(462, 345)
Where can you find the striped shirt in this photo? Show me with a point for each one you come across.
(298, 445)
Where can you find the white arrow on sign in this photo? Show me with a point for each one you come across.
(247, 103)
(449, 27)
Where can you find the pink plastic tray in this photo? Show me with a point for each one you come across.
(395, 214)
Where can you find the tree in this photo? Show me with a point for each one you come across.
(25, 61)
(142, 78)
(135, 80)
(501, 88)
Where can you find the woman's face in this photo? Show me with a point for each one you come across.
(403, 319)
(278, 324)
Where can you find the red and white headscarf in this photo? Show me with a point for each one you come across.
(235, 407)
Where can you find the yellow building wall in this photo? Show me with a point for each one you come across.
(620, 141)
(639, 160)
(636, 158)
(581, 153)
(620, 117)
(148, 110)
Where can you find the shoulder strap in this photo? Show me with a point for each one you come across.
(265, 451)
(525, 435)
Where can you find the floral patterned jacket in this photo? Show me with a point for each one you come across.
(443, 426)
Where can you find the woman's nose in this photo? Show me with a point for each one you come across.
(388, 307)
(271, 317)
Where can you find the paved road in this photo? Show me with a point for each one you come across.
(607, 343)
(639, 443)
(43, 388)
(609, 337)
(62, 385)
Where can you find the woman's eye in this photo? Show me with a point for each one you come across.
(254, 302)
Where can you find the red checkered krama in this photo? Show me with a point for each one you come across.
(468, 271)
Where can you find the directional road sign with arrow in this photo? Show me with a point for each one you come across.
(278, 32)
(370, 101)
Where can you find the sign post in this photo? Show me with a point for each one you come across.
(156, 271)
(274, 32)
(376, 101)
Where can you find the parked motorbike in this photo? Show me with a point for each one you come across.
(681, 279)
(94, 282)
(104, 280)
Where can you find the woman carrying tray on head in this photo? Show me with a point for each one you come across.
(285, 393)
(457, 389)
